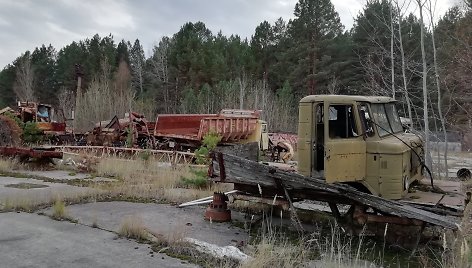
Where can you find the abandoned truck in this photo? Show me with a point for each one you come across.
(352, 150)
(233, 126)
(360, 141)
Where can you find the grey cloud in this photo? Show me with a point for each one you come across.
(28, 23)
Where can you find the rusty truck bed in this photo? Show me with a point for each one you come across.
(195, 126)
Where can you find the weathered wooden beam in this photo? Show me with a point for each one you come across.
(243, 171)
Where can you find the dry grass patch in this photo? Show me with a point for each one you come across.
(32, 200)
(18, 204)
(272, 253)
(133, 227)
(59, 211)
(456, 249)
(7, 164)
(143, 179)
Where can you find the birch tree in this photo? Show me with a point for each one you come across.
(137, 61)
(425, 89)
(402, 56)
(438, 85)
(23, 86)
(160, 69)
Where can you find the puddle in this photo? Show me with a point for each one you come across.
(25, 185)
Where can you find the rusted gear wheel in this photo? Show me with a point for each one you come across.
(10, 132)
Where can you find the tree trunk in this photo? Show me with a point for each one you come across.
(392, 60)
(402, 54)
(425, 91)
(438, 87)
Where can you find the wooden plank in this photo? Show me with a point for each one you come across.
(243, 171)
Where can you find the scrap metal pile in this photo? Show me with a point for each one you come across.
(169, 133)
(174, 131)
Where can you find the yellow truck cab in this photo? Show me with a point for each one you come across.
(357, 140)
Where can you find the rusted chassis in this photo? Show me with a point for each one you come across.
(28, 153)
(264, 181)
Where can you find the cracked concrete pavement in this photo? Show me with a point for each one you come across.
(30, 240)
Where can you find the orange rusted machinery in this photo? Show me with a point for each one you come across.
(43, 115)
(133, 130)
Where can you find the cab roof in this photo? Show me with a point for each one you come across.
(346, 98)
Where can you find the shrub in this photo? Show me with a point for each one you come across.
(198, 181)
(201, 155)
(145, 156)
(31, 133)
(12, 116)
(209, 142)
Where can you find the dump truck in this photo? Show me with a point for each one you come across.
(352, 150)
(186, 131)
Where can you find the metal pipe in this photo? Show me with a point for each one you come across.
(197, 202)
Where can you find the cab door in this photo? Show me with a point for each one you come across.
(345, 147)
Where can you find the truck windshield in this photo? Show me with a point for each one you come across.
(386, 116)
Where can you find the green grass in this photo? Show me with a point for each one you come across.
(198, 180)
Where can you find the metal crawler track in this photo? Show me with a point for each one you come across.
(172, 157)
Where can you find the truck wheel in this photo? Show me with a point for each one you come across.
(464, 174)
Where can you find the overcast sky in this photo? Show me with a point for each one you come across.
(26, 24)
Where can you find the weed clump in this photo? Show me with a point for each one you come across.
(59, 210)
(133, 227)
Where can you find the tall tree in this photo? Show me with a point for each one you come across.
(189, 56)
(67, 58)
(7, 80)
(425, 89)
(262, 44)
(45, 86)
(438, 86)
(23, 86)
(315, 25)
(159, 71)
(372, 34)
(137, 62)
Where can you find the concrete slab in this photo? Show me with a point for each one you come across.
(39, 195)
(164, 219)
(30, 240)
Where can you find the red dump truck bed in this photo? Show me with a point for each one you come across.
(231, 125)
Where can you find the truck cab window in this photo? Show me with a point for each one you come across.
(365, 117)
(342, 124)
(386, 116)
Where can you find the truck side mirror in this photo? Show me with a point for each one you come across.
(370, 129)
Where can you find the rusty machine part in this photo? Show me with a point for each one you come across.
(218, 210)
(10, 132)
